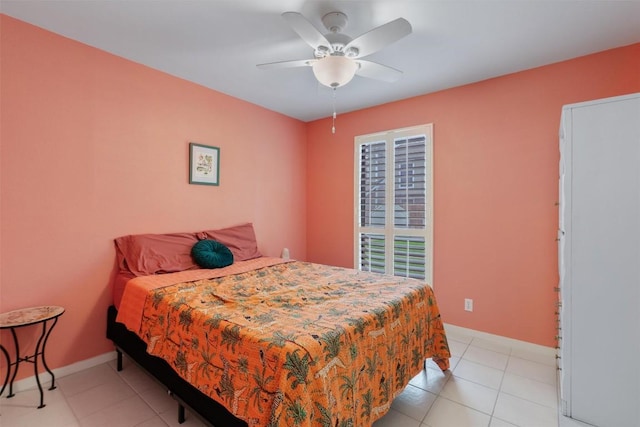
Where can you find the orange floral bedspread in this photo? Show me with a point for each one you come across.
(297, 344)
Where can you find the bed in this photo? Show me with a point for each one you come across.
(266, 341)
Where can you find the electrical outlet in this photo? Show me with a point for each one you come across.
(468, 304)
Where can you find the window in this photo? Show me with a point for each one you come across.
(394, 202)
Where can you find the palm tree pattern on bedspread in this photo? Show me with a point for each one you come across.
(298, 344)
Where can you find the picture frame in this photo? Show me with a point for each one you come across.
(204, 164)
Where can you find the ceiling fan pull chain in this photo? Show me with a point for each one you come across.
(333, 125)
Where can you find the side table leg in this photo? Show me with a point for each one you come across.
(44, 361)
(15, 372)
(6, 377)
(35, 363)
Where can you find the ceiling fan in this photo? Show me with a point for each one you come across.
(338, 57)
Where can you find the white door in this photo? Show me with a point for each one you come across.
(601, 262)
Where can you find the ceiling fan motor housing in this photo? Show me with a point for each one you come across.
(336, 22)
(338, 42)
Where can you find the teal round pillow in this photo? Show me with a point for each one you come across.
(211, 254)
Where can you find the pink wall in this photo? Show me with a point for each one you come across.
(94, 147)
(496, 187)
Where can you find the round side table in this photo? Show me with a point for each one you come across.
(15, 319)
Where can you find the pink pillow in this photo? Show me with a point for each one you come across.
(241, 239)
(145, 254)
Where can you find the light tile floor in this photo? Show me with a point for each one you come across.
(488, 385)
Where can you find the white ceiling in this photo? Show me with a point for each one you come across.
(217, 43)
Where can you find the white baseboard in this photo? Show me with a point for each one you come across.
(498, 339)
(45, 378)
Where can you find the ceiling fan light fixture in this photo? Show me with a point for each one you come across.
(335, 71)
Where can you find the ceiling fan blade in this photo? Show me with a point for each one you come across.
(307, 31)
(378, 38)
(373, 70)
(287, 64)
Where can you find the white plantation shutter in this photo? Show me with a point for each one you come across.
(372, 253)
(409, 257)
(373, 164)
(410, 182)
(393, 202)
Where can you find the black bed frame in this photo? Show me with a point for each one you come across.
(186, 395)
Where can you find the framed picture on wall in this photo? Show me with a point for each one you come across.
(204, 164)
